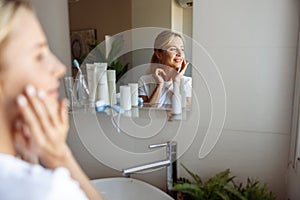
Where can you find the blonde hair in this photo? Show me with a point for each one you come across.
(164, 38)
(161, 41)
(8, 10)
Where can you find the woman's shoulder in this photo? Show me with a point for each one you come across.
(33, 180)
(22, 176)
(187, 78)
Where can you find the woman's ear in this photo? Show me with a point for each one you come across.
(158, 54)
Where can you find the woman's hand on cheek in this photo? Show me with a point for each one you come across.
(182, 71)
(183, 67)
(47, 123)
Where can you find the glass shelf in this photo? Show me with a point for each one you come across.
(137, 112)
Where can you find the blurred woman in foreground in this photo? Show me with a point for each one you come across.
(34, 124)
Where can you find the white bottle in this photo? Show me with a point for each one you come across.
(102, 86)
(125, 97)
(182, 93)
(176, 99)
(91, 71)
(111, 80)
(134, 93)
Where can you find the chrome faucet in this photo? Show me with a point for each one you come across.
(169, 163)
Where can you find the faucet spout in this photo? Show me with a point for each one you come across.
(153, 165)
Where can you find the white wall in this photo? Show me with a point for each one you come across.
(293, 184)
(177, 17)
(89, 14)
(148, 13)
(188, 21)
(254, 45)
(294, 167)
(54, 19)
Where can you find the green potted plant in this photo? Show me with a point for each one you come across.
(254, 190)
(220, 187)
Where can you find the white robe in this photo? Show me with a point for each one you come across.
(22, 180)
(147, 85)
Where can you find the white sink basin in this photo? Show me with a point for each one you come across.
(128, 189)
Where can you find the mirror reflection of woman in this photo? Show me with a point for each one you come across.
(168, 65)
(34, 124)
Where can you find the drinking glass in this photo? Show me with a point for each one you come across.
(80, 92)
(69, 86)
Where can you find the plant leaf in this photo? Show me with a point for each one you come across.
(196, 178)
(190, 189)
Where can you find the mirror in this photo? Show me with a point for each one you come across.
(93, 21)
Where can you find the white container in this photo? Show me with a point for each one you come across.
(125, 97)
(91, 71)
(176, 99)
(176, 104)
(102, 86)
(111, 80)
(135, 112)
(182, 93)
(134, 93)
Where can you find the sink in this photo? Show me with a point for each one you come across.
(128, 189)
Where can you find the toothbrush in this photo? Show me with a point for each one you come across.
(76, 64)
(101, 106)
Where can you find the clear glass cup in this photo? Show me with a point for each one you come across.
(69, 86)
(81, 92)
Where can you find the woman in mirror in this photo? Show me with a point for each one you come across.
(35, 161)
(167, 67)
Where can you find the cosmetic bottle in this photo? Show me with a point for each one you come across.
(91, 72)
(176, 99)
(102, 86)
(125, 97)
(134, 94)
(111, 81)
(182, 93)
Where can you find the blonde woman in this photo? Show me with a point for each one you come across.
(168, 65)
(32, 120)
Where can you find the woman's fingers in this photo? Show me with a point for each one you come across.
(182, 71)
(57, 113)
(29, 117)
(24, 145)
(47, 125)
(20, 141)
(160, 75)
(39, 114)
(183, 67)
(51, 108)
(37, 102)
